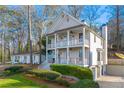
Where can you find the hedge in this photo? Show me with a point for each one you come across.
(86, 83)
(45, 74)
(13, 70)
(72, 70)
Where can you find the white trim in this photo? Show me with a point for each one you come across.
(55, 46)
(46, 49)
(59, 19)
(68, 34)
(83, 48)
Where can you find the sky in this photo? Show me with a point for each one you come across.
(104, 18)
(101, 20)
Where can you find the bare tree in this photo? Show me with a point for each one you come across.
(118, 29)
(29, 29)
(75, 10)
(91, 14)
(116, 26)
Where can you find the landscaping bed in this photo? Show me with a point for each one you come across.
(47, 83)
(61, 76)
(82, 74)
(51, 76)
(73, 70)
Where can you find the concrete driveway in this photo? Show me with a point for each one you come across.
(111, 82)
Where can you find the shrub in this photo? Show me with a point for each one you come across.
(13, 70)
(62, 82)
(45, 74)
(71, 70)
(86, 83)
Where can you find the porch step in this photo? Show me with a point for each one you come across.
(44, 65)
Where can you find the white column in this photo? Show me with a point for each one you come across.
(68, 33)
(83, 48)
(105, 43)
(55, 48)
(47, 49)
(105, 35)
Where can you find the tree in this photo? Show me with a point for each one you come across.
(91, 13)
(75, 10)
(49, 13)
(29, 33)
(116, 28)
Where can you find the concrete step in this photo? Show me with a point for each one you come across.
(44, 65)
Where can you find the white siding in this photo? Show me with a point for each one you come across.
(64, 22)
(27, 61)
(93, 48)
(36, 59)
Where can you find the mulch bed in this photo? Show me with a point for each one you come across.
(71, 80)
(40, 81)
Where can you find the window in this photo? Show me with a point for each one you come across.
(80, 54)
(94, 38)
(15, 58)
(25, 58)
(80, 37)
(98, 56)
(18, 59)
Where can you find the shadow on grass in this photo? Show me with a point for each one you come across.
(19, 81)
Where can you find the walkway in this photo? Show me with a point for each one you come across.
(111, 82)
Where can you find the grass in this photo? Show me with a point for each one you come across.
(19, 81)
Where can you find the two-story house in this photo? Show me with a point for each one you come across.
(72, 42)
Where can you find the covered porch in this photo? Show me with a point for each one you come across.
(71, 55)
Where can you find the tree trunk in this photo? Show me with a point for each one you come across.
(40, 46)
(9, 54)
(118, 29)
(29, 29)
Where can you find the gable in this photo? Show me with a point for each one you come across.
(63, 22)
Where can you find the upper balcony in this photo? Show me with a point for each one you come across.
(73, 38)
(72, 43)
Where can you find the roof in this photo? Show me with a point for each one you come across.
(65, 22)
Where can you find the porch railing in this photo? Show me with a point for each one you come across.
(75, 41)
(75, 61)
(51, 45)
(63, 61)
(72, 42)
(61, 43)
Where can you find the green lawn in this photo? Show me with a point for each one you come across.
(19, 81)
